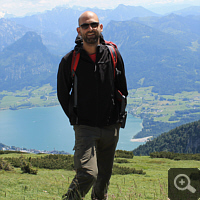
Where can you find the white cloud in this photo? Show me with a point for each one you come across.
(2, 14)
(22, 7)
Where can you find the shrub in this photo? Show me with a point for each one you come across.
(175, 156)
(4, 165)
(56, 161)
(126, 170)
(123, 154)
(121, 161)
(27, 168)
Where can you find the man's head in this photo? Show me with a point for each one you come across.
(89, 28)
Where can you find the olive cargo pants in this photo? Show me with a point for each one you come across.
(93, 160)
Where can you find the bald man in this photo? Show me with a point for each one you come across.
(92, 108)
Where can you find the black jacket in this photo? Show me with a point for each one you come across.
(96, 101)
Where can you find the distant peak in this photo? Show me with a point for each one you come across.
(31, 34)
(31, 37)
(29, 42)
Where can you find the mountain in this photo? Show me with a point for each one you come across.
(10, 32)
(167, 8)
(192, 10)
(183, 139)
(26, 62)
(152, 57)
(58, 30)
(155, 58)
(185, 29)
(60, 17)
(124, 13)
(159, 51)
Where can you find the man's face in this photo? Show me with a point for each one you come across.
(90, 29)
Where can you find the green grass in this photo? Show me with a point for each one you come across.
(52, 184)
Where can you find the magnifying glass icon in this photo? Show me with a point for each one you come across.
(182, 182)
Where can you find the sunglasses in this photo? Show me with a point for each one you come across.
(86, 25)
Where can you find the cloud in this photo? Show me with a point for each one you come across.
(22, 7)
(2, 14)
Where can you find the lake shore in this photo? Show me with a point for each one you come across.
(48, 128)
(144, 139)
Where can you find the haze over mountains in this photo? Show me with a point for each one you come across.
(159, 51)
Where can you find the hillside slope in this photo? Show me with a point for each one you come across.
(155, 58)
(183, 139)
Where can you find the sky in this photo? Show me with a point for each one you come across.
(23, 7)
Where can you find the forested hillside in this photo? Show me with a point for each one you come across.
(183, 139)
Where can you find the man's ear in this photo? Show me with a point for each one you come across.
(101, 27)
(78, 31)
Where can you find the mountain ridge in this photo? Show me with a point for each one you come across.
(56, 24)
(149, 55)
(183, 28)
(191, 10)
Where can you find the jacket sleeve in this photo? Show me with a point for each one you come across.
(121, 83)
(64, 82)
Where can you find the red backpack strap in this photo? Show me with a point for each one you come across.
(111, 43)
(113, 56)
(75, 59)
(74, 64)
(112, 46)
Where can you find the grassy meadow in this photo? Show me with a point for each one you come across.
(52, 184)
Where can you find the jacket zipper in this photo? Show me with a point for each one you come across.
(95, 68)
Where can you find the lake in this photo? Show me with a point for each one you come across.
(47, 128)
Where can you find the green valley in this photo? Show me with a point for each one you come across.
(143, 101)
(161, 113)
(28, 97)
